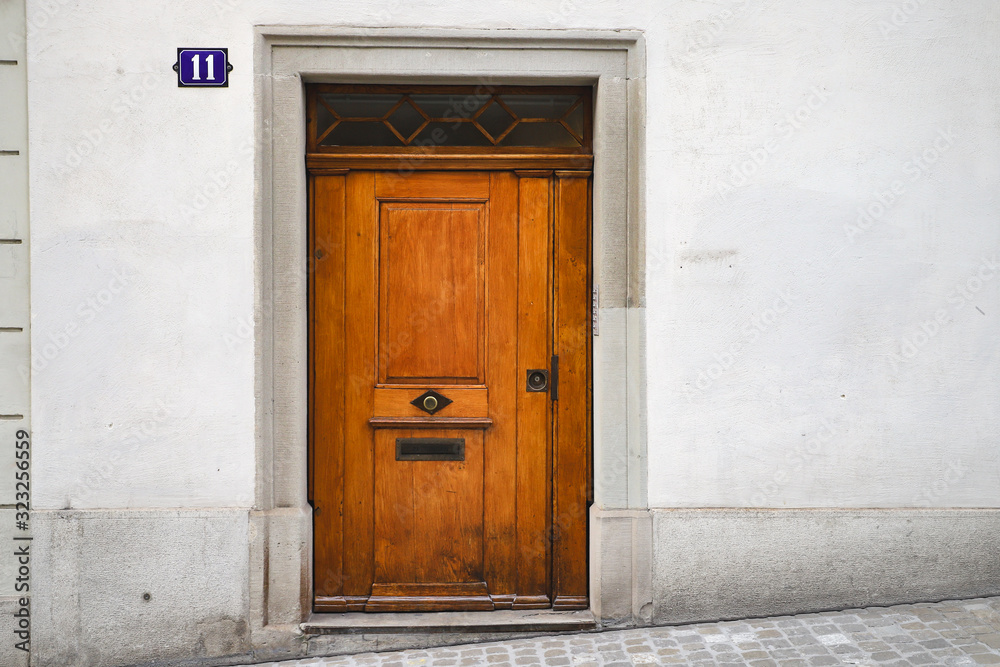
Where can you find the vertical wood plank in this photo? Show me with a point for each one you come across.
(395, 512)
(533, 408)
(311, 373)
(500, 483)
(572, 418)
(449, 501)
(360, 325)
(327, 354)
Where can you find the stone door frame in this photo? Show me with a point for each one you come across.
(287, 57)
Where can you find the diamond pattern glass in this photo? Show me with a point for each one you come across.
(436, 116)
(495, 120)
(406, 119)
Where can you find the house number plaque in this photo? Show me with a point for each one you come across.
(202, 68)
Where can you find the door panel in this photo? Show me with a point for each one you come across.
(431, 292)
(445, 282)
(398, 401)
(434, 185)
(428, 526)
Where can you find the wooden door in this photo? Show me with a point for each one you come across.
(444, 475)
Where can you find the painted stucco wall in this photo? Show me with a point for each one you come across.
(821, 247)
(823, 255)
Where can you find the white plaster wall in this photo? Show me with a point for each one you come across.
(145, 205)
(151, 401)
(842, 400)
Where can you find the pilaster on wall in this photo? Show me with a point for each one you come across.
(15, 359)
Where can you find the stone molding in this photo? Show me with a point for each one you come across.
(286, 57)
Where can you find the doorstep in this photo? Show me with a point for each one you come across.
(528, 620)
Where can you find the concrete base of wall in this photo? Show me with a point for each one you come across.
(10, 655)
(621, 552)
(727, 564)
(92, 570)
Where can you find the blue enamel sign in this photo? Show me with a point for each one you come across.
(206, 68)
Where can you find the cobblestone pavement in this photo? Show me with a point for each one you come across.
(947, 633)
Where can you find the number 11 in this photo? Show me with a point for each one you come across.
(209, 65)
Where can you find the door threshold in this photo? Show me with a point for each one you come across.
(527, 620)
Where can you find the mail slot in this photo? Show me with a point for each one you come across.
(430, 449)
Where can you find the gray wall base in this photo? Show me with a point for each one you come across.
(93, 568)
(649, 567)
(726, 564)
(201, 568)
(621, 549)
(280, 569)
(10, 655)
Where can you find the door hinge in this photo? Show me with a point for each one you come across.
(594, 304)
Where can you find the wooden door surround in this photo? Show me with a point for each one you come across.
(441, 477)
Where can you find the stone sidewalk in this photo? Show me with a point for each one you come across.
(947, 633)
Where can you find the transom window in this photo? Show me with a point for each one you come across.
(427, 118)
